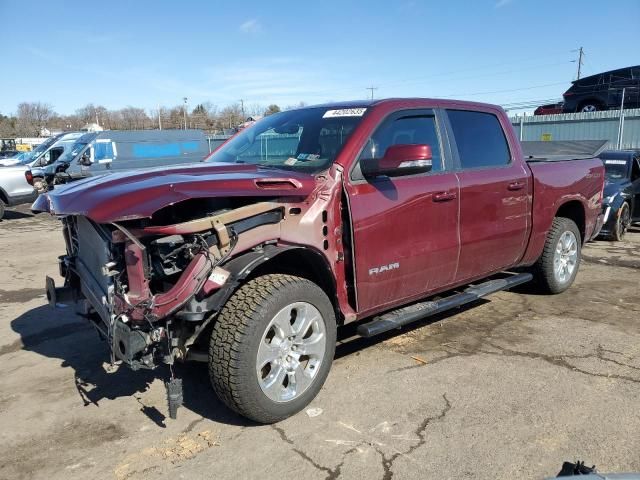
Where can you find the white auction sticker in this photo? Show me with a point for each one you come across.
(344, 112)
(615, 162)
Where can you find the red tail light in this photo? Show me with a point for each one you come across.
(29, 176)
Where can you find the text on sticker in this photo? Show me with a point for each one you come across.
(344, 112)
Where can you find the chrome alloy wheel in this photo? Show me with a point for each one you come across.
(565, 257)
(291, 351)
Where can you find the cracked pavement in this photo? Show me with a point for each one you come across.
(508, 387)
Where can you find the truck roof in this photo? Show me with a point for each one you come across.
(407, 102)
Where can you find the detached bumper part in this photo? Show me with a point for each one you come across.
(59, 294)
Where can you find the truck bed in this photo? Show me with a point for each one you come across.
(557, 151)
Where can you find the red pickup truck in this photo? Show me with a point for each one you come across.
(311, 219)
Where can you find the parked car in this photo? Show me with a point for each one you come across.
(112, 151)
(604, 91)
(14, 159)
(311, 219)
(16, 187)
(621, 192)
(549, 109)
(8, 153)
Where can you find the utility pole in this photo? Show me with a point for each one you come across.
(621, 123)
(159, 118)
(580, 62)
(242, 109)
(372, 89)
(185, 112)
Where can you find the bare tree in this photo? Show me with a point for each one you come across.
(33, 117)
(134, 118)
(231, 116)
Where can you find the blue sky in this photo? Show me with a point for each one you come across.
(145, 53)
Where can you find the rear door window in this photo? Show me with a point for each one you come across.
(479, 138)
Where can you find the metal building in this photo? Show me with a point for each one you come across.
(604, 125)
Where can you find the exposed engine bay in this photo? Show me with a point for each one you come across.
(132, 277)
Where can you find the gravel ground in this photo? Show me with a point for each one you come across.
(508, 388)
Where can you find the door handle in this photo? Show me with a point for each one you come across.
(444, 196)
(516, 186)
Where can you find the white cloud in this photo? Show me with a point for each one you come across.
(251, 26)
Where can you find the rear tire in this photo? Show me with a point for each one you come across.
(1, 209)
(622, 223)
(272, 346)
(557, 267)
(590, 106)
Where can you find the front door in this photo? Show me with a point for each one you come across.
(405, 228)
(495, 195)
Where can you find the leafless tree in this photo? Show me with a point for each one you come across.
(33, 117)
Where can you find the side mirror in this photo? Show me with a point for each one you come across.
(399, 160)
(85, 159)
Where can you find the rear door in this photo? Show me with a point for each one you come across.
(405, 228)
(495, 195)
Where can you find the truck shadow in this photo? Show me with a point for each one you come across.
(61, 334)
(15, 215)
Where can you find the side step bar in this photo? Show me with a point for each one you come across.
(403, 316)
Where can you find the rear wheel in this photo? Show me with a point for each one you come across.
(272, 347)
(590, 106)
(1, 209)
(622, 223)
(557, 267)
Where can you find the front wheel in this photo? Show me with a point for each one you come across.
(557, 267)
(622, 223)
(272, 347)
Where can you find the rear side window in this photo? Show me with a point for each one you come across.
(415, 129)
(479, 138)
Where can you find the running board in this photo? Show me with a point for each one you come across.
(403, 316)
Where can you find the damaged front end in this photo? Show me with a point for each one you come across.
(150, 289)
(152, 272)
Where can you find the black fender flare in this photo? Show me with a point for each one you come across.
(239, 269)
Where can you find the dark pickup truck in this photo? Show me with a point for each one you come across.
(311, 219)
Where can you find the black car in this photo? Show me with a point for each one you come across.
(621, 191)
(604, 91)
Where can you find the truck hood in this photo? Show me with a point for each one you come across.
(138, 194)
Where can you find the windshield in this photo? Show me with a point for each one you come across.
(305, 140)
(69, 155)
(615, 170)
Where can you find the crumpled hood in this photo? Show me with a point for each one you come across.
(138, 194)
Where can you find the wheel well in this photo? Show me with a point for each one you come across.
(574, 210)
(3, 197)
(304, 263)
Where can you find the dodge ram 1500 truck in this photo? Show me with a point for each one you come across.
(311, 219)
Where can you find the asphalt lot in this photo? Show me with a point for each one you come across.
(509, 388)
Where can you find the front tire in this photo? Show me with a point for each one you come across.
(557, 267)
(272, 347)
(622, 223)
